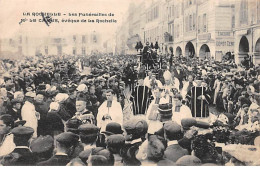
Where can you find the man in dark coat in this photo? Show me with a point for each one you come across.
(173, 133)
(21, 155)
(179, 74)
(15, 110)
(65, 143)
(42, 107)
(136, 130)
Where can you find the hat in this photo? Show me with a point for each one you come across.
(106, 153)
(188, 160)
(42, 144)
(113, 128)
(83, 155)
(67, 138)
(19, 123)
(199, 78)
(30, 94)
(172, 128)
(136, 126)
(73, 124)
(88, 130)
(165, 111)
(188, 122)
(115, 140)
(22, 131)
(9, 86)
(81, 87)
(98, 160)
(14, 101)
(61, 97)
(54, 106)
(7, 118)
(202, 124)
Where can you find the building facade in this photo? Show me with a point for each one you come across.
(23, 44)
(247, 30)
(203, 28)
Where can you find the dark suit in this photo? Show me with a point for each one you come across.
(174, 152)
(128, 154)
(14, 114)
(19, 157)
(56, 160)
(180, 76)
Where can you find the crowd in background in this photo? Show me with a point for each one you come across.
(180, 111)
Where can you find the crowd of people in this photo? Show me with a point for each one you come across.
(180, 111)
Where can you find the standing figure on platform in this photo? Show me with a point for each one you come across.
(198, 99)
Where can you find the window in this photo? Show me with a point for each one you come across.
(20, 49)
(194, 21)
(190, 23)
(244, 12)
(204, 23)
(74, 38)
(199, 24)
(173, 12)
(83, 39)
(46, 50)
(178, 31)
(83, 50)
(170, 11)
(74, 50)
(233, 21)
(187, 23)
(258, 11)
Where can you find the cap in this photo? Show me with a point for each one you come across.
(19, 123)
(172, 128)
(88, 130)
(9, 86)
(61, 97)
(85, 154)
(67, 138)
(188, 160)
(30, 94)
(113, 128)
(73, 123)
(7, 118)
(22, 131)
(54, 106)
(98, 160)
(165, 111)
(42, 144)
(107, 154)
(202, 124)
(136, 126)
(188, 122)
(81, 87)
(115, 140)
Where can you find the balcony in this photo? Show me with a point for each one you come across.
(168, 37)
